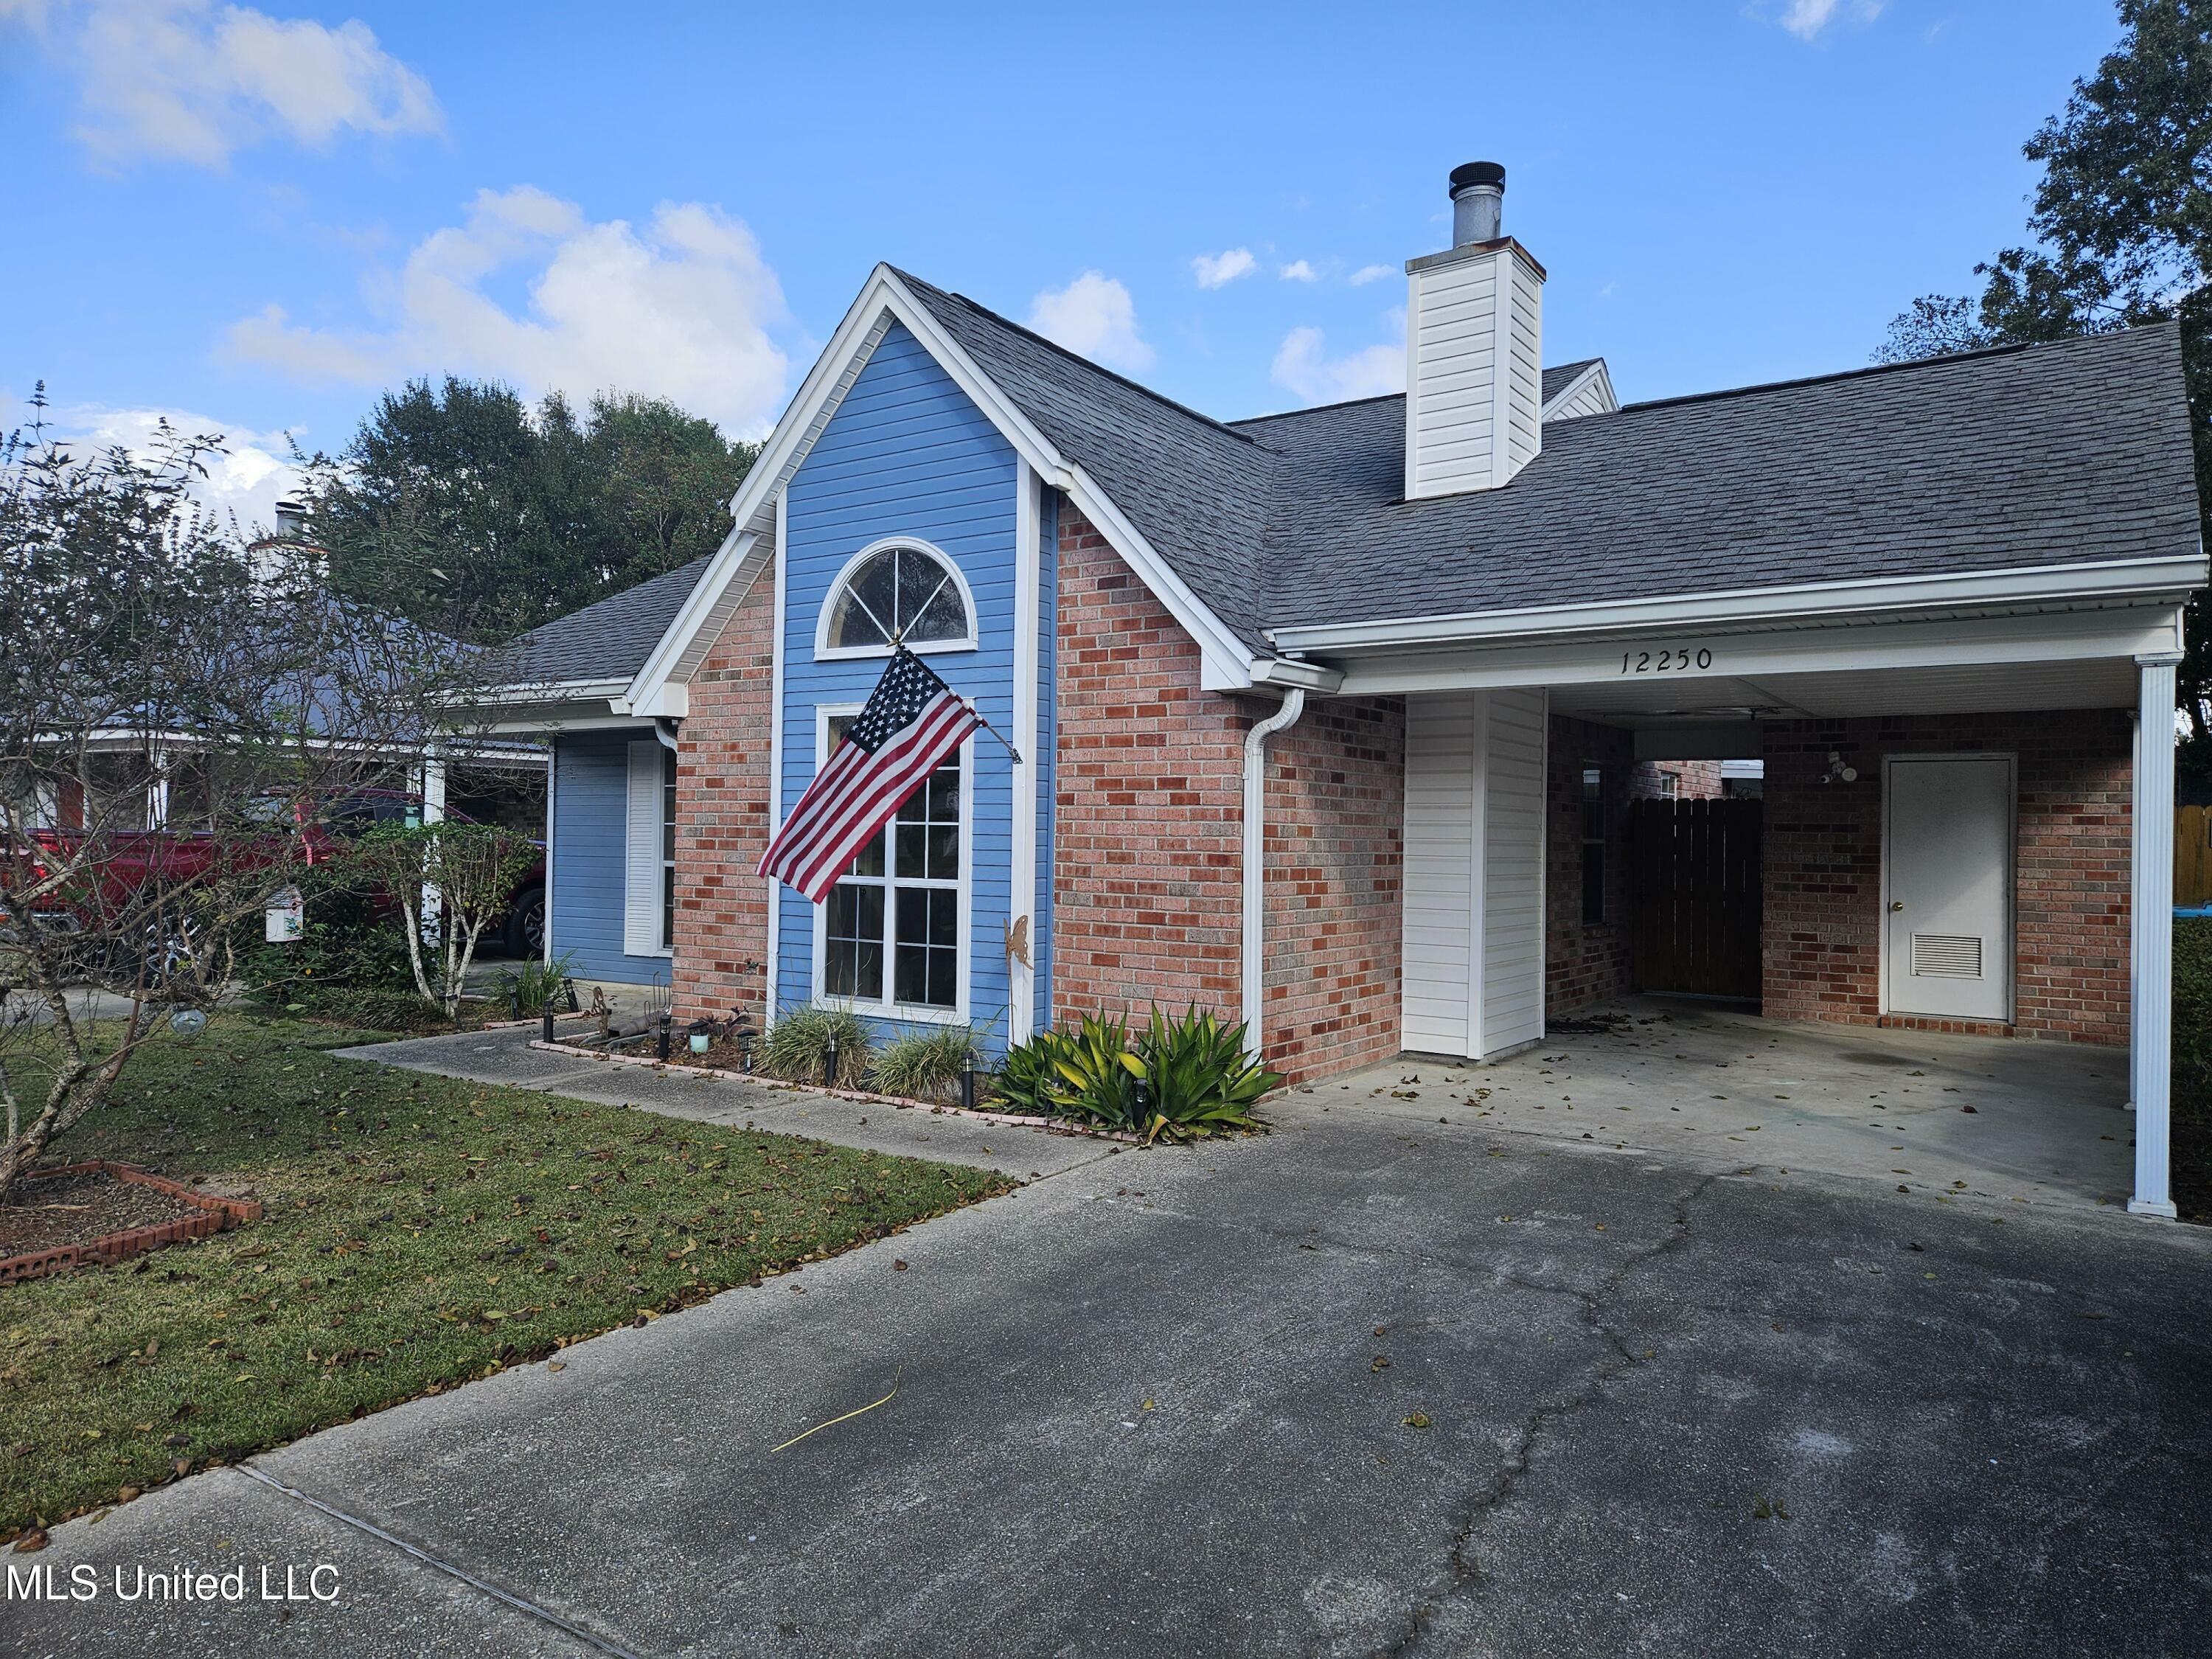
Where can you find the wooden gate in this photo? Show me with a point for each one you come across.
(1694, 896)
(2192, 855)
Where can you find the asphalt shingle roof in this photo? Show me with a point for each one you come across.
(610, 640)
(2070, 453)
(2067, 452)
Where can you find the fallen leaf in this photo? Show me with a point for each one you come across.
(32, 1539)
(1416, 1420)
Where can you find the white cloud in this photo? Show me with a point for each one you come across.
(1298, 271)
(680, 311)
(1219, 269)
(1806, 18)
(1367, 274)
(1303, 368)
(247, 479)
(187, 80)
(1094, 317)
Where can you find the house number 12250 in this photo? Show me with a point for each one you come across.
(1670, 660)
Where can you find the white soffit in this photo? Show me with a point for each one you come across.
(1979, 689)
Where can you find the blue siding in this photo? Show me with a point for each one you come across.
(906, 454)
(591, 806)
(1048, 747)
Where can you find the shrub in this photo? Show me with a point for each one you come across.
(350, 941)
(797, 1045)
(1201, 1080)
(531, 987)
(923, 1064)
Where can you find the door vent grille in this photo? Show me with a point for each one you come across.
(1947, 956)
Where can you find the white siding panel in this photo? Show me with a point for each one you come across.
(1513, 871)
(1439, 920)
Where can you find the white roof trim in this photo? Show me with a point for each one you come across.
(2115, 578)
(1595, 372)
(1224, 661)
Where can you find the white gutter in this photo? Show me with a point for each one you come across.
(1256, 853)
(2116, 579)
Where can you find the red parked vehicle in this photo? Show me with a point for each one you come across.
(135, 858)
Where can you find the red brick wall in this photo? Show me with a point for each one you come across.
(1149, 784)
(1586, 963)
(1335, 852)
(721, 817)
(1823, 866)
(1694, 780)
(1148, 856)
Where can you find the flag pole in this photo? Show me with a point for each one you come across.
(898, 646)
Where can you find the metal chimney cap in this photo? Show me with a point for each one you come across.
(1477, 173)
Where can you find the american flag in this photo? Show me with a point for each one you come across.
(911, 723)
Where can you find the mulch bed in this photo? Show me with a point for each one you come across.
(77, 1209)
(103, 1211)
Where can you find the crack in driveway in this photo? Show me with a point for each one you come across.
(1504, 1486)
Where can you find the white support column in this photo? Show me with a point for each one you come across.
(434, 811)
(2151, 909)
(1021, 886)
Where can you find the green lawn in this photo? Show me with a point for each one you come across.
(418, 1233)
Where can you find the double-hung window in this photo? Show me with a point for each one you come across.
(891, 926)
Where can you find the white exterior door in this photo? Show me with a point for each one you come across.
(1947, 848)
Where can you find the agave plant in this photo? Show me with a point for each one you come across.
(1200, 1079)
(1096, 1082)
(1028, 1078)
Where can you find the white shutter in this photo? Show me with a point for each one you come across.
(641, 853)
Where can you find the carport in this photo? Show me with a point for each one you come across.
(1964, 835)
(1924, 1113)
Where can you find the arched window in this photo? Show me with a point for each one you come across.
(904, 590)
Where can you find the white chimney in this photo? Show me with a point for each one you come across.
(1474, 359)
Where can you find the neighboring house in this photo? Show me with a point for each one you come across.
(1330, 720)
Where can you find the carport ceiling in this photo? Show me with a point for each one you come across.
(1981, 688)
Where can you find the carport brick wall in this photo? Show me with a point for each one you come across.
(1822, 933)
(722, 817)
(1586, 964)
(1335, 852)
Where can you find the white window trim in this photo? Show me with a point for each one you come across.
(907, 1013)
(825, 652)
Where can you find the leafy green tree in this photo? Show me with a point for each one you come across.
(2123, 223)
(465, 509)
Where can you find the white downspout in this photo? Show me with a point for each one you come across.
(1256, 853)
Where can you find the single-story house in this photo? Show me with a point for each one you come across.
(1330, 720)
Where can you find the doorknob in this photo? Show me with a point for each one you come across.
(1897, 904)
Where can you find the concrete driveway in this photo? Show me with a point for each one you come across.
(1168, 1402)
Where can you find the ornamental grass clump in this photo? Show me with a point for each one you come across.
(797, 1048)
(926, 1065)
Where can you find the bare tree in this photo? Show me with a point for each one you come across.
(180, 712)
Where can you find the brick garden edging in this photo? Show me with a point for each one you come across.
(1020, 1121)
(215, 1215)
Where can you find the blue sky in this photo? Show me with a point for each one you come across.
(256, 218)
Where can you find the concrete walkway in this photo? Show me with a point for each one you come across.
(2027, 1121)
(507, 1057)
